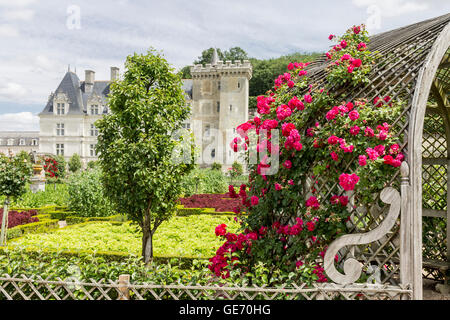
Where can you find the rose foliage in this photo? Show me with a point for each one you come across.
(321, 141)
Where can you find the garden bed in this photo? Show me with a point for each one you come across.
(219, 202)
(190, 236)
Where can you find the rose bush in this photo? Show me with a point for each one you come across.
(292, 217)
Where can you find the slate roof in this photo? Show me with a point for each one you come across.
(75, 90)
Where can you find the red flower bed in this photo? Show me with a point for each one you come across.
(220, 202)
(16, 218)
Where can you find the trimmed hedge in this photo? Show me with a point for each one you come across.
(182, 262)
(36, 227)
(182, 211)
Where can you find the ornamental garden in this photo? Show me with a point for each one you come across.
(324, 160)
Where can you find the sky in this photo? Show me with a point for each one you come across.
(40, 39)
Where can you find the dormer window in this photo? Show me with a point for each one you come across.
(60, 108)
(10, 142)
(34, 142)
(94, 109)
(21, 142)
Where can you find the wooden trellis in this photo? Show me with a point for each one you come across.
(413, 67)
(36, 288)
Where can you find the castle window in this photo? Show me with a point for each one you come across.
(207, 128)
(60, 108)
(231, 107)
(186, 126)
(218, 85)
(10, 142)
(21, 142)
(94, 109)
(94, 131)
(60, 149)
(218, 106)
(239, 84)
(60, 129)
(34, 142)
(213, 153)
(92, 151)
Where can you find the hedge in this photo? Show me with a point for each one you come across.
(35, 227)
(183, 262)
(182, 211)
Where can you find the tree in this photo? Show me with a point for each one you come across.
(15, 173)
(206, 56)
(235, 171)
(136, 144)
(61, 165)
(235, 53)
(75, 163)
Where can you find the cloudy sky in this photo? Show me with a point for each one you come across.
(39, 39)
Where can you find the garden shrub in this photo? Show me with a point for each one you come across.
(53, 195)
(16, 218)
(216, 166)
(220, 202)
(86, 195)
(322, 138)
(204, 181)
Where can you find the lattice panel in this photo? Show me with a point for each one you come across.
(36, 288)
(434, 187)
(434, 143)
(402, 54)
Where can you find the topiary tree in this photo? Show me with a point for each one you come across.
(136, 143)
(15, 173)
(318, 139)
(75, 163)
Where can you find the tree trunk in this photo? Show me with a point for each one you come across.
(4, 230)
(147, 246)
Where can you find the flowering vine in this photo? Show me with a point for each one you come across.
(293, 215)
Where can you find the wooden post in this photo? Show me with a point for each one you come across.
(124, 282)
(4, 231)
(406, 273)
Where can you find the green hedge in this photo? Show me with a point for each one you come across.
(182, 211)
(71, 220)
(35, 227)
(109, 256)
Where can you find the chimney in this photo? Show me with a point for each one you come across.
(114, 73)
(89, 77)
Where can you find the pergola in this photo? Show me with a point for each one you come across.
(403, 237)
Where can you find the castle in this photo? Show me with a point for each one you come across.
(217, 93)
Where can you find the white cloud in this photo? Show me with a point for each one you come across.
(7, 30)
(22, 121)
(393, 8)
(12, 90)
(23, 15)
(15, 3)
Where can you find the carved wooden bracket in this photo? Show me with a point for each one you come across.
(352, 268)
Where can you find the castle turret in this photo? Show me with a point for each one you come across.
(220, 104)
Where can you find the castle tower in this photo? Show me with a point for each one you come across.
(219, 104)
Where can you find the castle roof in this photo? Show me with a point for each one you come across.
(75, 90)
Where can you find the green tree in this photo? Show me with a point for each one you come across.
(61, 165)
(206, 56)
(74, 163)
(15, 173)
(136, 143)
(235, 53)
